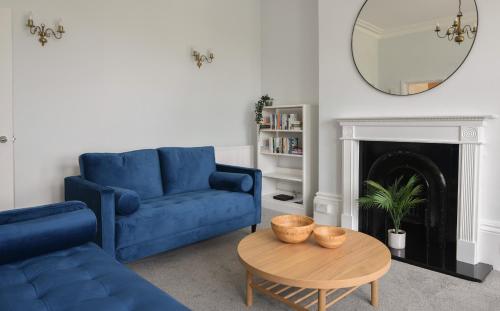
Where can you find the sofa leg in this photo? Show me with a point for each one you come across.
(254, 228)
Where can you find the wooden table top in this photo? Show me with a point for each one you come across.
(360, 260)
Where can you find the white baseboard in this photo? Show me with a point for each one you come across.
(489, 243)
(327, 208)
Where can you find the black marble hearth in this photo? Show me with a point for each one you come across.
(431, 237)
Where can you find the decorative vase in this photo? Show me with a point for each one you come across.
(268, 102)
(397, 240)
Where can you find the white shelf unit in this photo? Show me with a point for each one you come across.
(285, 173)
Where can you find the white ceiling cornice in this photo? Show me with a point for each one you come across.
(427, 25)
(369, 27)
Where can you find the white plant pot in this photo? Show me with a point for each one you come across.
(397, 240)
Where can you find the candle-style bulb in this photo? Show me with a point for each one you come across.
(30, 20)
(60, 27)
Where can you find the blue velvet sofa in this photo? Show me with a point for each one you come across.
(154, 200)
(48, 263)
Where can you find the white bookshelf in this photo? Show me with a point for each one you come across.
(289, 173)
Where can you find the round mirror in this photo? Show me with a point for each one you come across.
(405, 47)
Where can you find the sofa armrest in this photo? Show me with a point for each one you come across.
(29, 232)
(256, 190)
(101, 200)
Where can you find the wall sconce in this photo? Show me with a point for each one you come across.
(200, 59)
(43, 32)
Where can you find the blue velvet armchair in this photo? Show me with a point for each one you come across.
(48, 262)
(154, 200)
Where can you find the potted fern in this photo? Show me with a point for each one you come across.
(397, 200)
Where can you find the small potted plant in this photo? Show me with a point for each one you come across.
(397, 200)
(268, 101)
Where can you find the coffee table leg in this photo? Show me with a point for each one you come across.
(375, 293)
(322, 299)
(249, 289)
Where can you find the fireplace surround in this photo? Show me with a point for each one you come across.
(464, 132)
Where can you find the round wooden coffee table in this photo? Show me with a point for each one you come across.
(303, 275)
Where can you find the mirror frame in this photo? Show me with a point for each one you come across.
(403, 95)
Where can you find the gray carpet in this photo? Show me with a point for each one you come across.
(208, 276)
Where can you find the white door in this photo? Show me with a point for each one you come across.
(6, 126)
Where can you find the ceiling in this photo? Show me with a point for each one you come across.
(394, 14)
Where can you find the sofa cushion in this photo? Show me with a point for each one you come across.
(78, 278)
(186, 169)
(181, 212)
(135, 170)
(126, 201)
(231, 181)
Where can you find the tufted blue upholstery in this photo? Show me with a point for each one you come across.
(188, 209)
(183, 212)
(78, 278)
(61, 270)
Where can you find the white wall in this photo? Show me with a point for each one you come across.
(122, 78)
(290, 51)
(472, 90)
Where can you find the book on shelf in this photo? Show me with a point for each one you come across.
(283, 121)
(287, 145)
(296, 125)
(265, 126)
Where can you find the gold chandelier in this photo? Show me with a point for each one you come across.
(456, 31)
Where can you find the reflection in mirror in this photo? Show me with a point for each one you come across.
(406, 47)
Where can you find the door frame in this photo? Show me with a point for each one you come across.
(7, 78)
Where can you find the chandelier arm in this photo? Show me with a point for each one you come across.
(444, 35)
(207, 59)
(35, 29)
(50, 31)
(439, 36)
(469, 31)
(470, 34)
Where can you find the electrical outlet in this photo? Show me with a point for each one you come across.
(322, 208)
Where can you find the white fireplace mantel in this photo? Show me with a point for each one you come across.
(466, 131)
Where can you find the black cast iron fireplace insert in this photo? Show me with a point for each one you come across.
(431, 228)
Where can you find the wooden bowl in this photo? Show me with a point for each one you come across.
(292, 228)
(329, 237)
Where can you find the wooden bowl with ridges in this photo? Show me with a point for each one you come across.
(292, 228)
(329, 237)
